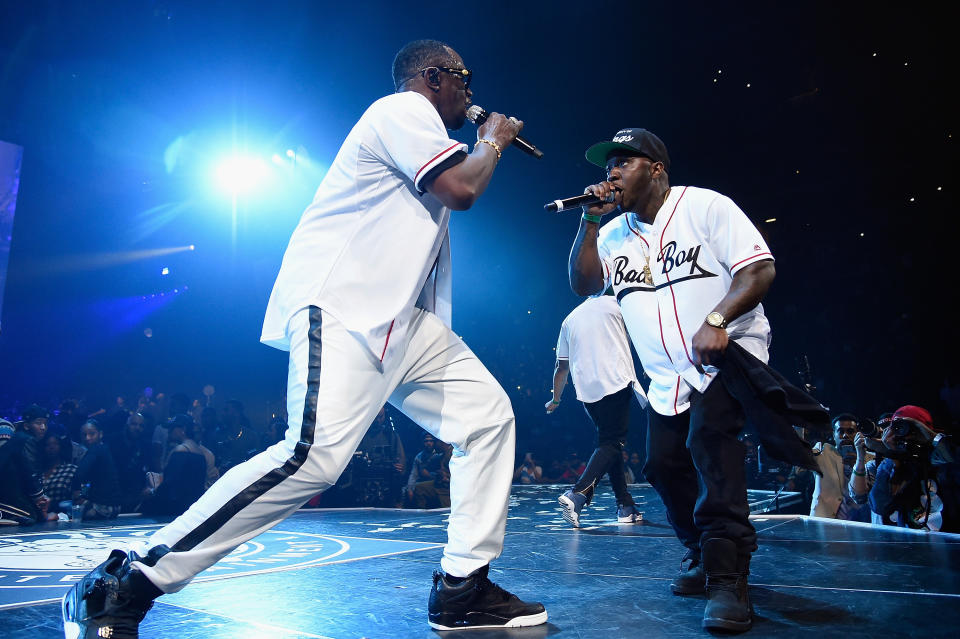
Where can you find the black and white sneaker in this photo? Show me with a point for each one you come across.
(477, 602)
(111, 600)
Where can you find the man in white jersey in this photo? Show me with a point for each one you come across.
(593, 347)
(689, 270)
(362, 303)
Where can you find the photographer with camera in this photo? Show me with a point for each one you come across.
(840, 490)
(918, 484)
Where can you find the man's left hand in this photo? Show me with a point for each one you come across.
(709, 344)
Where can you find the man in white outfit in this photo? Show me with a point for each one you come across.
(593, 347)
(362, 303)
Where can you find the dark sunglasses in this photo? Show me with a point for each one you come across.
(464, 74)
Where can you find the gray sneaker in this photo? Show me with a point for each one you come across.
(628, 514)
(572, 503)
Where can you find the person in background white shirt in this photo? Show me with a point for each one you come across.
(593, 347)
(834, 493)
(365, 281)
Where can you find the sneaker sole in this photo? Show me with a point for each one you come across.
(516, 622)
(569, 511)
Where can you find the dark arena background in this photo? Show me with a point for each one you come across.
(155, 157)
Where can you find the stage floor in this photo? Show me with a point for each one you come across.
(366, 573)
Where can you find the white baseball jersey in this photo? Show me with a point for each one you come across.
(593, 339)
(697, 243)
(373, 244)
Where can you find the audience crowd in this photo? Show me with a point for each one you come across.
(155, 458)
(159, 455)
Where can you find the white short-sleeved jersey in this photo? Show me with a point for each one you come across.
(697, 243)
(373, 244)
(594, 341)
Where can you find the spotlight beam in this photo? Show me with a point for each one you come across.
(93, 261)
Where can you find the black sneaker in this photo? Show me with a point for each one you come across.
(111, 600)
(477, 602)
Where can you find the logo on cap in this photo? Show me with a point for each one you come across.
(622, 138)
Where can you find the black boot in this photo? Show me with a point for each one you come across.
(728, 603)
(691, 580)
(112, 599)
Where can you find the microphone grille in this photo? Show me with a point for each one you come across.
(476, 114)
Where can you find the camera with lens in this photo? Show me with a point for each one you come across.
(869, 428)
(909, 442)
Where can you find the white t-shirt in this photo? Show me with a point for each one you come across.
(373, 240)
(697, 243)
(594, 341)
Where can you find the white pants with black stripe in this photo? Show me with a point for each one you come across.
(335, 389)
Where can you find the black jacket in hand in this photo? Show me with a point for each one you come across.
(774, 406)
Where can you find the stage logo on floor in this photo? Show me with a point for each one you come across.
(37, 567)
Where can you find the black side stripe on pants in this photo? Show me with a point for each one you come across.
(245, 497)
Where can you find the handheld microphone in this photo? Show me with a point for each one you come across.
(478, 116)
(575, 202)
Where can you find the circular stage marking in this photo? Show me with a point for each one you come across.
(45, 559)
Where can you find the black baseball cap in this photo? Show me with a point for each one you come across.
(634, 140)
(33, 411)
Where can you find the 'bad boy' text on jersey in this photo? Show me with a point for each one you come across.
(697, 243)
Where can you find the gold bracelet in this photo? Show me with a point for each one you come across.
(496, 147)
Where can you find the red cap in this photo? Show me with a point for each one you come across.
(915, 413)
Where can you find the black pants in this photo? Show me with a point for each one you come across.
(696, 464)
(611, 415)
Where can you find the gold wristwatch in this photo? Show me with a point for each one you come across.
(716, 320)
